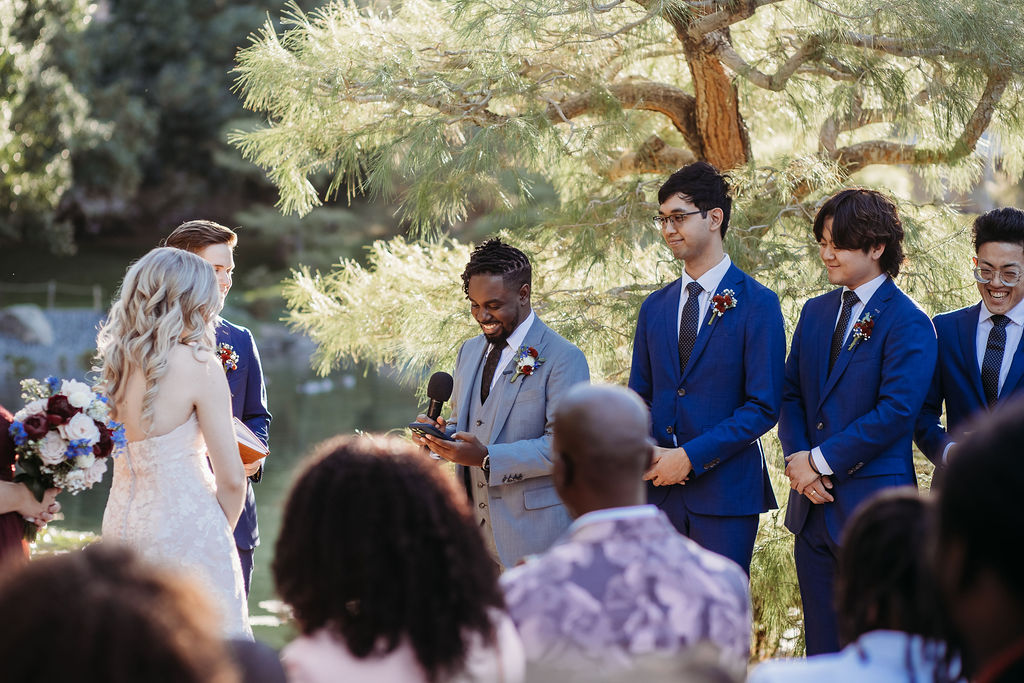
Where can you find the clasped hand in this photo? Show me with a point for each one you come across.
(805, 481)
(669, 466)
(466, 449)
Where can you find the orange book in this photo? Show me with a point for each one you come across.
(249, 445)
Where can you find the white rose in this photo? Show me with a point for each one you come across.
(529, 362)
(98, 410)
(73, 481)
(33, 408)
(95, 473)
(84, 462)
(79, 394)
(80, 426)
(52, 448)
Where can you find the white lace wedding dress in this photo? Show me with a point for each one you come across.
(163, 504)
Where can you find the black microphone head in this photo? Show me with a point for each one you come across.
(440, 387)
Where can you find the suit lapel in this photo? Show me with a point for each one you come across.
(967, 331)
(820, 334)
(505, 391)
(473, 354)
(1013, 378)
(875, 306)
(665, 327)
(733, 280)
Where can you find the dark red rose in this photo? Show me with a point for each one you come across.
(527, 369)
(36, 426)
(532, 351)
(105, 445)
(59, 410)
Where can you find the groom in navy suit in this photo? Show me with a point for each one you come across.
(216, 243)
(981, 360)
(708, 359)
(860, 364)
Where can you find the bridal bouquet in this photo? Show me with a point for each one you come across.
(63, 437)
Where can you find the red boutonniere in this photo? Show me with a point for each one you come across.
(228, 356)
(861, 330)
(720, 303)
(526, 362)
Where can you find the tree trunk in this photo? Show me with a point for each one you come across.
(723, 135)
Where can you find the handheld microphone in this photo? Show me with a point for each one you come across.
(439, 390)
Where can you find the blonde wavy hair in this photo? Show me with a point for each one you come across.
(168, 297)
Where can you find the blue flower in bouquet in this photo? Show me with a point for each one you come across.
(53, 383)
(117, 434)
(78, 447)
(17, 432)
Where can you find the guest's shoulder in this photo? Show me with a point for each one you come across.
(555, 343)
(956, 317)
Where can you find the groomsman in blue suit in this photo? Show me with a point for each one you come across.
(708, 359)
(216, 243)
(860, 364)
(981, 360)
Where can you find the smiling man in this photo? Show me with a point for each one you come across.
(708, 359)
(508, 381)
(857, 373)
(981, 361)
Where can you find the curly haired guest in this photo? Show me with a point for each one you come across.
(101, 614)
(386, 573)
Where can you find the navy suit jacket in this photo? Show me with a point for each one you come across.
(726, 397)
(861, 414)
(957, 382)
(249, 404)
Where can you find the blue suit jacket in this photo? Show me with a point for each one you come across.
(862, 414)
(724, 400)
(249, 404)
(957, 382)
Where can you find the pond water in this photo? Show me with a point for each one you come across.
(306, 410)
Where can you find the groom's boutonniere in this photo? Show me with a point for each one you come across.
(720, 303)
(526, 362)
(228, 356)
(861, 330)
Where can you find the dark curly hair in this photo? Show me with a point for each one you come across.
(704, 185)
(862, 219)
(378, 546)
(999, 225)
(111, 618)
(494, 257)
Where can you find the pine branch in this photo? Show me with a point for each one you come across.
(653, 156)
(735, 12)
(855, 157)
(678, 105)
(719, 44)
(900, 48)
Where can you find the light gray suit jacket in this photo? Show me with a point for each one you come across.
(526, 513)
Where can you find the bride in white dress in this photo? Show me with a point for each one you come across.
(168, 388)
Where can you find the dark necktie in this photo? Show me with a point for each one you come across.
(688, 321)
(839, 336)
(489, 367)
(993, 360)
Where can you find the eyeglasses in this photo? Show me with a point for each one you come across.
(676, 220)
(1009, 278)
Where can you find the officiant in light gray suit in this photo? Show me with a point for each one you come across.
(507, 384)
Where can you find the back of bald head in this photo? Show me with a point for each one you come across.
(604, 429)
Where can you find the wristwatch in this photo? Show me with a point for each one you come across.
(486, 464)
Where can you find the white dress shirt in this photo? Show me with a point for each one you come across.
(709, 281)
(512, 344)
(864, 294)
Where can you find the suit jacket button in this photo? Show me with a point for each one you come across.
(480, 422)
(479, 484)
(681, 392)
(821, 425)
(668, 430)
(483, 505)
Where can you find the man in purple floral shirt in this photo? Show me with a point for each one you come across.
(621, 584)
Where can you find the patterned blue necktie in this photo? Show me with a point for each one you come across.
(850, 298)
(993, 360)
(688, 322)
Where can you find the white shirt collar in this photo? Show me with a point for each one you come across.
(710, 280)
(615, 514)
(868, 289)
(515, 340)
(1016, 314)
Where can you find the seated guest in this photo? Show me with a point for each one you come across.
(979, 549)
(101, 614)
(17, 503)
(386, 574)
(622, 583)
(886, 602)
